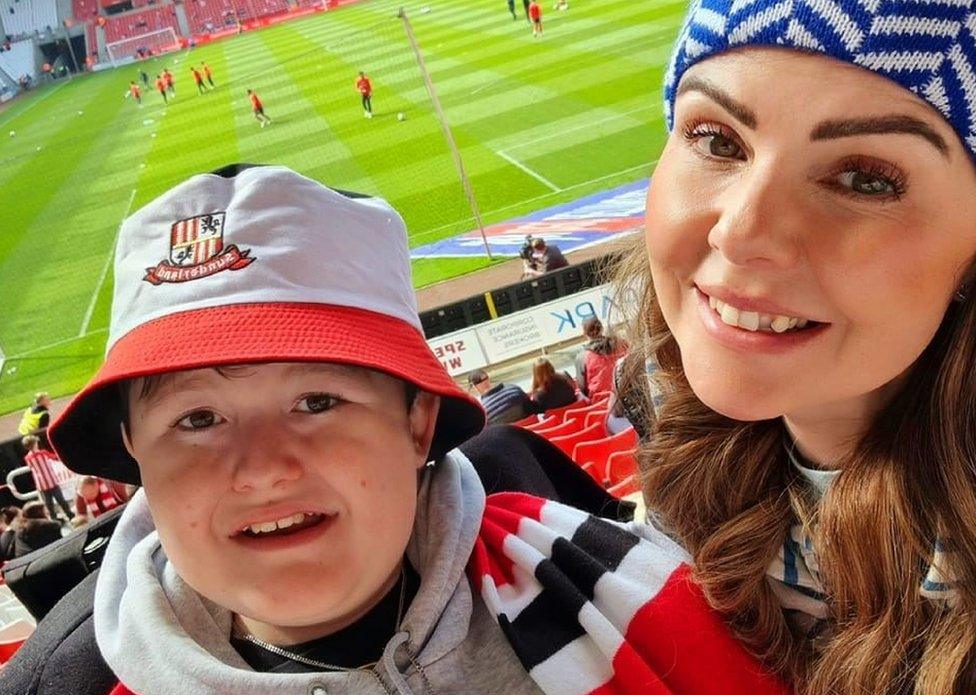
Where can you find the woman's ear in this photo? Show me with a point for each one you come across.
(423, 420)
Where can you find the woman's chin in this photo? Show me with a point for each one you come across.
(735, 401)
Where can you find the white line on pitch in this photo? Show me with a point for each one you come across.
(108, 262)
(42, 348)
(534, 174)
(584, 126)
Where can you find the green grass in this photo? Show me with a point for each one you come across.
(581, 107)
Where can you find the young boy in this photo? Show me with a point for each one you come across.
(48, 473)
(279, 406)
(535, 16)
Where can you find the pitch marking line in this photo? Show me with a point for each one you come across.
(101, 278)
(585, 126)
(534, 174)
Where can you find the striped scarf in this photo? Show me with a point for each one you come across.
(593, 607)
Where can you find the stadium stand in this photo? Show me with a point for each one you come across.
(19, 60)
(84, 10)
(22, 17)
(205, 16)
(124, 26)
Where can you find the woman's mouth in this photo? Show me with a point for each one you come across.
(755, 321)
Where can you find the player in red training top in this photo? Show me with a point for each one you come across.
(208, 73)
(198, 80)
(365, 88)
(168, 79)
(258, 108)
(161, 88)
(535, 15)
(135, 93)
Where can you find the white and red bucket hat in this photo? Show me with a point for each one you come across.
(256, 264)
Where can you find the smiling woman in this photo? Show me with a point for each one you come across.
(807, 267)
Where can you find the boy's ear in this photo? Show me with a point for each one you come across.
(423, 420)
(125, 439)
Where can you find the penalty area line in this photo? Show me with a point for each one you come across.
(108, 262)
(534, 174)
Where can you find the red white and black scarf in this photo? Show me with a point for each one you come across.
(593, 607)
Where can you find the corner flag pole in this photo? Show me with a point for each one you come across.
(448, 135)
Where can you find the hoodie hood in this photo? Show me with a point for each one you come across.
(159, 636)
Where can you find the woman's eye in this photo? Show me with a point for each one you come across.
(868, 184)
(718, 145)
(316, 403)
(199, 420)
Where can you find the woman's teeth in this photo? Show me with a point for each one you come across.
(754, 321)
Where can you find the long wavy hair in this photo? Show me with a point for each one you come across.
(725, 490)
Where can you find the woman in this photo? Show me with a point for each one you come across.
(549, 389)
(808, 295)
(597, 359)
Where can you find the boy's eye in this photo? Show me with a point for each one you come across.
(199, 420)
(316, 403)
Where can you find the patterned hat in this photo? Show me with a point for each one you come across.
(926, 46)
(257, 264)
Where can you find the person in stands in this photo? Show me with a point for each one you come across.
(597, 358)
(36, 418)
(549, 388)
(503, 402)
(9, 519)
(94, 498)
(545, 259)
(45, 467)
(35, 530)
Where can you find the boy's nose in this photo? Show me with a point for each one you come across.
(263, 463)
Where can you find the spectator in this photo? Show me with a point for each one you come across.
(549, 389)
(545, 258)
(595, 362)
(36, 418)
(505, 402)
(9, 519)
(43, 465)
(36, 530)
(94, 498)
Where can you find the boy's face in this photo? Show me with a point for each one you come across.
(89, 491)
(269, 442)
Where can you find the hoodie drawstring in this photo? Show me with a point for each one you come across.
(398, 677)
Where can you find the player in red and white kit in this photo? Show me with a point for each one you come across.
(535, 16)
(258, 108)
(365, 88)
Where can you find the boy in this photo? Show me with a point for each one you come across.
(257, 108)
(365, 88)
(168, 79)
(135, 93)
(161, 88)
(48, 473)
(279, 407)
(94, 498)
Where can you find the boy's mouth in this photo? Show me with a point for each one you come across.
(285, 526)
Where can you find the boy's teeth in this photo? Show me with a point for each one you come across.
(269, 526)
(754, 321)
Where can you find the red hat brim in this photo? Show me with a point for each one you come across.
(87, 435)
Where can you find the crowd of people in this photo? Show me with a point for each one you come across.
(313, 515)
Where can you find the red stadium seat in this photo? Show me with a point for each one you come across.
(542, 424)
(583, 409)
(560, 413)
(598, 452)
(12, 636)
(526, 421)
(567, 442)
(561, 429)
(622, 473)
(598, 415)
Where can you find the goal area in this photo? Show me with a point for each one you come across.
(142, 46)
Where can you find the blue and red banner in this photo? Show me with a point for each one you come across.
(569, 226)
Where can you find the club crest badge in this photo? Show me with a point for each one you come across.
(196, 250)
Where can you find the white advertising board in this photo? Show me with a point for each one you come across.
(524, 331)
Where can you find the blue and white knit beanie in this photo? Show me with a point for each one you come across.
(926, 46)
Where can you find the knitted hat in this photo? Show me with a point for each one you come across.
(926, 46)
(253, 265)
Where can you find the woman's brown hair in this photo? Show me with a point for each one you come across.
(725, 490)
(542, 374)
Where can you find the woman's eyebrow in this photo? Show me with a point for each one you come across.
(879, 125)
(739, 111)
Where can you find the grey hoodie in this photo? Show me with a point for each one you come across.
(160, 637)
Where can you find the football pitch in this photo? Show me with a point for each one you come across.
(537, 121)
